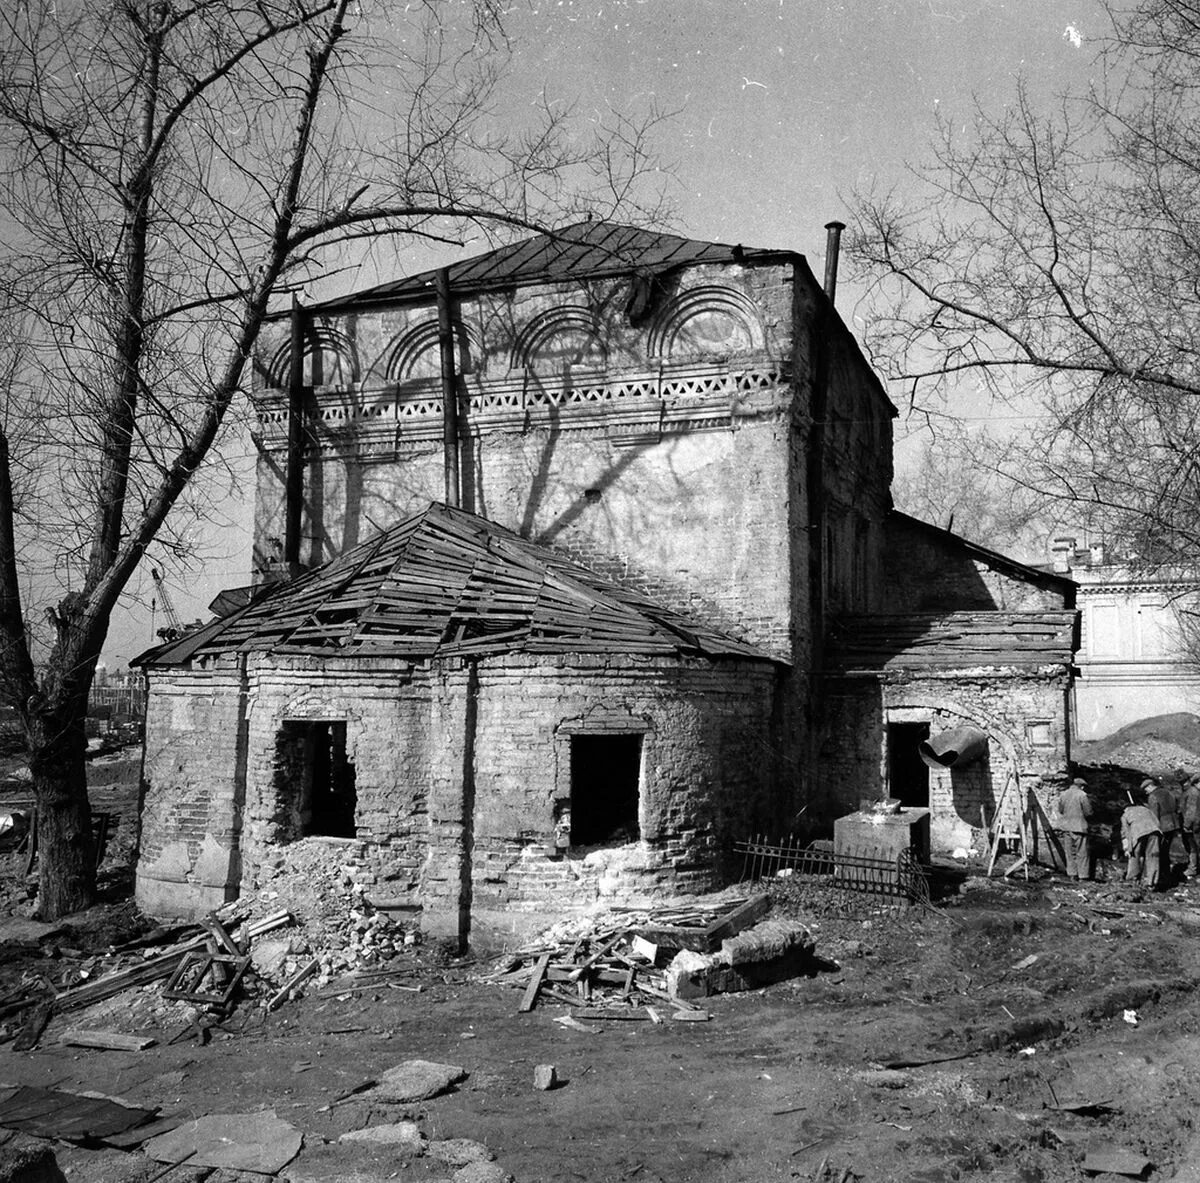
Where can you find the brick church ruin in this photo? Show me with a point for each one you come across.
(576, 563)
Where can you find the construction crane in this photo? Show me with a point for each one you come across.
(174, 626)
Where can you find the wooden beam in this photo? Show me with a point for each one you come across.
(529, 998)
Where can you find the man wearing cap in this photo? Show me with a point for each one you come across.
(1074, 813)
(1161, 802)
(1140, 838)
(1190, 807)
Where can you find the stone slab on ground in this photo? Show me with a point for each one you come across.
(458, 1152)
(402, 1136)
(1115, 1160)
(482, 1172)
(239, 1141)
(358, 1162)
(415, 1080)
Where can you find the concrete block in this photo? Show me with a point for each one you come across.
(784, 949)
(882, 836)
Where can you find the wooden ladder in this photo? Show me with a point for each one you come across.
(1004, 830)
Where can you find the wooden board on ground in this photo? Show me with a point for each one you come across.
(112, 1041)
(529, 998)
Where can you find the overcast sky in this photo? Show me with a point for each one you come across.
(783, 108)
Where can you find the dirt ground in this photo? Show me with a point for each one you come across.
(1044, 1024)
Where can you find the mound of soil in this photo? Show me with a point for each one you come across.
(1157, 746)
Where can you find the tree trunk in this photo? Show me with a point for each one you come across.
(66, 858)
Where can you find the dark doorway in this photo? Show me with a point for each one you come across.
(908, 774)
(316, 778)
(606, 773)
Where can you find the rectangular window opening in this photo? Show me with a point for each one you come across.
(606, 773)
(315, 780)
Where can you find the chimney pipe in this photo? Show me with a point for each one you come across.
(1062, 552)
(833, 242)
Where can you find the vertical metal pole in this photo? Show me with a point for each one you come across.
(449, 388)
(294, 488)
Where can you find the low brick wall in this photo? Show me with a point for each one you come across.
(460, 772)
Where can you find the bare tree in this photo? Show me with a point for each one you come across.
(1052, 259)
(169, 168)
(953, 483)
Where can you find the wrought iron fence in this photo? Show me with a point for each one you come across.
(809, 868)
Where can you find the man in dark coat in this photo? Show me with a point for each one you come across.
(1161, 802)
(1190, 807)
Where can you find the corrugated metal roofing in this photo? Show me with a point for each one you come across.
(587, 250)
(448, 583)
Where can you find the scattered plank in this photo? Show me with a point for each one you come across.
(575, 1024)
(112, 1041)
(294, 982)
(35, 1024)
(221, 936)
(604, 949)
(743, 917)
(529, 998)
(614, 1013)
(933, 1059)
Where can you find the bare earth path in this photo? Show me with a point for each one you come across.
(786, 1083)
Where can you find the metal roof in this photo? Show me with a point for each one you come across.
(446, 583)
(587, 250)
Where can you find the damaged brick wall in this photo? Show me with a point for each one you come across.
(663, 448)
(1023, 713)
(706, 777)
(458, 772)
(192, 790)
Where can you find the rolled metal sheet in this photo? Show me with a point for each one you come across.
(954, 748)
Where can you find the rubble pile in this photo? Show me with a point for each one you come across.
(335, 922)
(625, 964)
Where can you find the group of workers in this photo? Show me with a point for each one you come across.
(1148, 831)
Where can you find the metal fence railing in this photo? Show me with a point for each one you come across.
(898, 879)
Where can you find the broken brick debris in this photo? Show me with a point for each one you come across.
(609, 967)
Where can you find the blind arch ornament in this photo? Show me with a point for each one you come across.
(707, 320)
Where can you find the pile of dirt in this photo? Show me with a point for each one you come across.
(1158, 746)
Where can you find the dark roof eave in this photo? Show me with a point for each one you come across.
(994, 558)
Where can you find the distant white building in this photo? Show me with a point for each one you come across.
(1133, 660)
